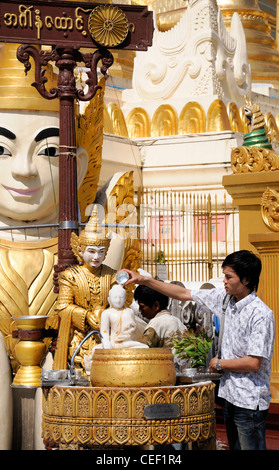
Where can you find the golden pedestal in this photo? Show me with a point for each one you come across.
(102, 417)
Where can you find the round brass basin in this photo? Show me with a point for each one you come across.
(132, 368)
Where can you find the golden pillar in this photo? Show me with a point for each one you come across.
(254, 187)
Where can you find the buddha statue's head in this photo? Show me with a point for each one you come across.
(117, 296)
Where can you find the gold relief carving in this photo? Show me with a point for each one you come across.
(56, 432)
(68, 433)
(191, 119)
(142, 434)
(217, 117)
(205, 401)
(193, 403)
(46, 432)
(83, 404)
(90, 137)
(139, 403)
(121, 406)
(83, 434)
(121, 432)
(160, 433)
(108, 25)
(164, 121)
(138, 123)
(55, 403)
(234, 117)
(160, 397)
(101, 433)
(253, 159)
(194, 431)
(178, 432)
(205, 430)
(117, 119)
(270, 209)
(180, 401)
(108, 124)
(116, 416)
(101, 405)
(68, 404)
(271, 127)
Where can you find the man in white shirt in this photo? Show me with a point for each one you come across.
(247, 346)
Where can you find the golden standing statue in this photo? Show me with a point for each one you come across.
(83, 294)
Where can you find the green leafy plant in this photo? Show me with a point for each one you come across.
(160, 259)
(194, 345)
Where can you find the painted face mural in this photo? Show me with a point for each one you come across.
(29, 174)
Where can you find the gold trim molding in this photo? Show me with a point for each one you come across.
(84, 417)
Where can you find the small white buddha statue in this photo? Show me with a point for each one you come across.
(118, 324)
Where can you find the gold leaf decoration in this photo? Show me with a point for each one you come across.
(90, 137)
(270, 209)
(253, 159)
(108, 25)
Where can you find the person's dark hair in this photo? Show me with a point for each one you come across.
(149, 296)
(246, 265)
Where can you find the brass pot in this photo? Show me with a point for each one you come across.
(132, 368)
(30, 350)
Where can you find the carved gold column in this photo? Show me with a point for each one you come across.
(254, 187)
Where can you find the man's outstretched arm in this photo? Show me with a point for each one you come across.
(170, 290)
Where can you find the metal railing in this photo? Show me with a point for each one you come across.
(186, 236)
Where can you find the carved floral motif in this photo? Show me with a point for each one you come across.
(270, 209)
(253, 159)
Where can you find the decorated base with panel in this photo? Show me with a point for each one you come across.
(110, 416)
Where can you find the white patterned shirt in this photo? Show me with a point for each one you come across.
(248, 331)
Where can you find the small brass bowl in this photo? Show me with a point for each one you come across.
(132, 368)
(30, 322)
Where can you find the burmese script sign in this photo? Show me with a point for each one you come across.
(76, 24)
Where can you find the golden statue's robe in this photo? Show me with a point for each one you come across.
(83, 296)
(26, 285)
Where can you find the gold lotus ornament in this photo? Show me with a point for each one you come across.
(108, 25)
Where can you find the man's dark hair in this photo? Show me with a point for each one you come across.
(149, 296)
(246, 265)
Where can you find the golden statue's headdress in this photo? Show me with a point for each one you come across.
(93, 235)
